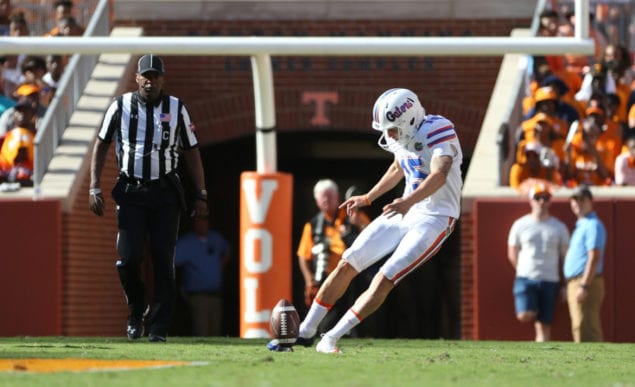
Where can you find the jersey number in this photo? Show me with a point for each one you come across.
(413, 169)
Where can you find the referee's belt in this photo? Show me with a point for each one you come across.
(136, 181)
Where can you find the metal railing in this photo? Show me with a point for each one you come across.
(58, 114)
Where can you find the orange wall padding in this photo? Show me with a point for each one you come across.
(266, 201)
(30, 269)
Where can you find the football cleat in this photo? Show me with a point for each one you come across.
(328, 344)
(303, 341)
(157, 338)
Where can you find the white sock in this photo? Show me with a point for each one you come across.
(316, 313)
(349, 321)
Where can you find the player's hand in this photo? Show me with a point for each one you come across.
(353, 203)
(96, 203)
(398, 206)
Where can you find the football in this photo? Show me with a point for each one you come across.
(285, 323)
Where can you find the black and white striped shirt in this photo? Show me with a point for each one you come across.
(147, 135)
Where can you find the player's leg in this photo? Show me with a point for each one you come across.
(422, 240)
(375, 241)
(331, 290)
(367, 303)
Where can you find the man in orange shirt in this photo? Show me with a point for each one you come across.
(529, 165)
(324, 239)
(585, 163)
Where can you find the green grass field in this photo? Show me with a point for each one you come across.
(365, 362)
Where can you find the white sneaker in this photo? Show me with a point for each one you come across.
(327, 344)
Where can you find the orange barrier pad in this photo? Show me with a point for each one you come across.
(61, 365)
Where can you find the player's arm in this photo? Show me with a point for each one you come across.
(388, 181)
(439, 169)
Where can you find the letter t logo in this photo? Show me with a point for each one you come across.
(320, 98)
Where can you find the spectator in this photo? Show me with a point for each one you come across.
(533, 161)
(544, 126)
(16, 154)
(583, 268)
(54, 70)
(537, 242)
(566, 107)
(201, 255)
(33, 71)
(625, 164)
(577, 63)
(616, 59)
(585, 164)
(68, 26)
(61, 9)
(5, 17)
(609, 144)
(12, 71)
(324, 239)
(33, 68)
(595, 81)
(32, 93)
(612, 103)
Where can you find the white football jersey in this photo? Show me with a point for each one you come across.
(436, 137)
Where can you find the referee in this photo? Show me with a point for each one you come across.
(150, 130)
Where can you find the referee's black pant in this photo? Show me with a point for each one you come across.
(148, 212)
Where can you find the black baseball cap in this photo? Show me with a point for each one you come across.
(582, 191)
(150, 63)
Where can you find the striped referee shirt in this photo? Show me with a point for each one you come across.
(147, 135)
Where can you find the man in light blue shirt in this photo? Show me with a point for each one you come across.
(583, 266)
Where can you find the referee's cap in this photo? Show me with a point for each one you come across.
(150, 62)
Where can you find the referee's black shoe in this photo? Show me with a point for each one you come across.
(136, 325)
(157, 338)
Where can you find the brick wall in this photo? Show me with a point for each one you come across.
(218, 91)
(467, 274)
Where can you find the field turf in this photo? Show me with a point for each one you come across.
(365, 362)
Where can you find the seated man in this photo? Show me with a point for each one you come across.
(585, 162)
(31, 92)
(533, 161)
(16, 154)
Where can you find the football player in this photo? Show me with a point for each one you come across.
(427, 154)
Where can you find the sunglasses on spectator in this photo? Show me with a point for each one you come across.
(546, 198)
